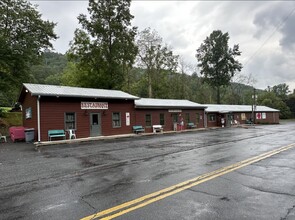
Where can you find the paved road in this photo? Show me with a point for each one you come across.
(234, 173)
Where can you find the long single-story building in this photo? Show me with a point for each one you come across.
(90, 112)
(171, 114)
(241, 114)
(50, 109)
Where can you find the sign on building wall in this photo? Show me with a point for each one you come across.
(258, 115)
(263, 115)
(243, 116)
(28, 113)
(94, 105)
(174, 110)
(127, 119)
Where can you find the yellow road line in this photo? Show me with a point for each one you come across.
(161, 194)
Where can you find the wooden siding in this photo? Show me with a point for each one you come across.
(168, 118)
(271, 118)
(30, 102)
(53, 109)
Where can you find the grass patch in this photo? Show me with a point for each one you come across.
(14, 118)
(9, 119)
(5, 109)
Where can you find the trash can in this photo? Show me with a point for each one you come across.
(29, 134)
(175, 126)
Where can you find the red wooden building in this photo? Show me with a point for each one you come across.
(96, 112)
(240, 114)
(90, 112)
(169, 113)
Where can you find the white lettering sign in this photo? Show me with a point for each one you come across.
(94, 105)
(174, 110)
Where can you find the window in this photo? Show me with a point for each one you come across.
(175, 117)
(212, 117)
(116, 117)
(187, 118)
(148, 120)
(70, 120)
(197, 118)
(162, 119)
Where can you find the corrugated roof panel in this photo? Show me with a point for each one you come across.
(166, 103)
(68, 91)
(238, 108)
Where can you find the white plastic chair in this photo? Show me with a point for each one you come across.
(3, 137)
(72, 134)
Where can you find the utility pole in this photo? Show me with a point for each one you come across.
(254, 96)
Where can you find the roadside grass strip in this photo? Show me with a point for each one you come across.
(161, 194)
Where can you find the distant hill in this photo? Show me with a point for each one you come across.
(166, 84)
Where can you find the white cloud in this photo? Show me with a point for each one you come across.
(267, 51)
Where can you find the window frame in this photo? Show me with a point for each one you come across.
(187, 117)
(214, 117)
(116, 122)
(150, 121)
(162, 119)
(72, 121)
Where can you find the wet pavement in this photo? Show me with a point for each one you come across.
(72, 181)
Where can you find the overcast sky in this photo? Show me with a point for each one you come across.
(265, 30)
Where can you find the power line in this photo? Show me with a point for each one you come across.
(271, 35)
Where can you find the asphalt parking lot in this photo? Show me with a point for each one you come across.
(77, 180)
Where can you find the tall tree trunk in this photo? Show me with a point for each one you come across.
(150, 91)
(218, 94)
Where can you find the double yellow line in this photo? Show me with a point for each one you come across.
(156, 196)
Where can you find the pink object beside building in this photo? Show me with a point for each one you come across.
(17, 133)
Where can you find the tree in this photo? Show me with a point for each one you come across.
(291, 103)
(217, 61)
(23, 38)
(50, 69)
(281, 91)
(104, 47)
(154, 57)
(270, 99)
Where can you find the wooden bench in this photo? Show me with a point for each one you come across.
(56, 133)
(157, 128)
(137, 129)
(191, 125)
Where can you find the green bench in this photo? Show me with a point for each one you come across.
(137, 129)
(249, 122)
(191, 125)
(56, 133)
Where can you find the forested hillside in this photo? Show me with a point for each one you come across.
(170, 85)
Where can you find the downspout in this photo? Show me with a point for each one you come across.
(38, 118)
(205, 119)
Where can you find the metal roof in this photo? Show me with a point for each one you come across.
(237, 108)
(77, 92)
(166, 103)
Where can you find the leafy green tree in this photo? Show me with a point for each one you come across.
(49, 71)
(74, 76)
(271, 100)
(154, 57)
(217, 61)
(291, 103)
(281, 90)
(23, 38)
(104, 48)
